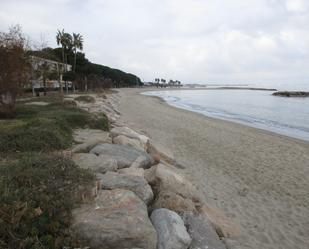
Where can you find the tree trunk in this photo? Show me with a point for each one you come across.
(33, 91)
(74, 61)
(7, 104)
(86, 84)
(62, 54)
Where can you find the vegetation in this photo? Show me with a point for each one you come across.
(77, 44)
(38, 187)
(89, 75)
(14, 68)
(37, 194)
(19, 66)
(45, 128)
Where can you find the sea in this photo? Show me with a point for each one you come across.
(256, 108)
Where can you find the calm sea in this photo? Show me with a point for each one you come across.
(287, 116)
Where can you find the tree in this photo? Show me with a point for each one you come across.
(15, 68)
(77, 44)
(65, 40)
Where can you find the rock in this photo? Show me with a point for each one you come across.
(162, 177)
(132, 171)
(131, 134)
(99, 164)
(125, 156)
(83, 135)
(88, 145)
(224, 226)
(163, 157)
(174, 202)
(118, 219)
(39, 103)
(202, 233)
(172, 233)
(136, 184)
(133, 142)
(291, 94)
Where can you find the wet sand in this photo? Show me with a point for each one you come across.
(258, 178)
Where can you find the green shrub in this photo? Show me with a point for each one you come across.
(69, 103)
(85, 98)
(37, 195)
(36, 135)
(46, 128)
(100, 122)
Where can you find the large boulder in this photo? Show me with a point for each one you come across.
(125, 131)
(202, 233)
(118, 219)
(133, 142)
(125, 156)
(99, 164)
(84, 135)
(162, 177)
(224, 226)
(88, 145)
(163, 157)
(173, 201)
(136, 184)
(132, 171)
(172, 233)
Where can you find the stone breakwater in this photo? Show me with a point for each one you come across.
(141, 198)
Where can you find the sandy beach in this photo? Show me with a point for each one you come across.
(258, 178)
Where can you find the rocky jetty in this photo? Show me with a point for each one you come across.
(291, 94)
(142, 198)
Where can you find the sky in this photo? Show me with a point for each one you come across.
(194, 41)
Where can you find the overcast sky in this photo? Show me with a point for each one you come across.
(195, 41)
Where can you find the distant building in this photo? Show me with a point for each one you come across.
(49, 70)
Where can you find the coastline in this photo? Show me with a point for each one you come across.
(270, 132)
(259, 178)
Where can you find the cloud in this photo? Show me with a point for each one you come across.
(195, 41)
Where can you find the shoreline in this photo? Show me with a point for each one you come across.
(257, 177)
(298, 139)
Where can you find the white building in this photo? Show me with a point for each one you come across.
(42, 66)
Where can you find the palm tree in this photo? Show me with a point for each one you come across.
(61, 41)
(65, 40)
(77, 44)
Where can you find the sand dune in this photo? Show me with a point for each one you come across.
(258, 178)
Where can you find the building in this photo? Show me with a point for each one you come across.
(48, 73)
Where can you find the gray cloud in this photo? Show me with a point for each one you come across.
(196, 41)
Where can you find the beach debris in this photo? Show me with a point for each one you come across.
(98, 164)
(117, 219)
(172, 233)
(137, 184)
(125, 156)
(202, 233)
